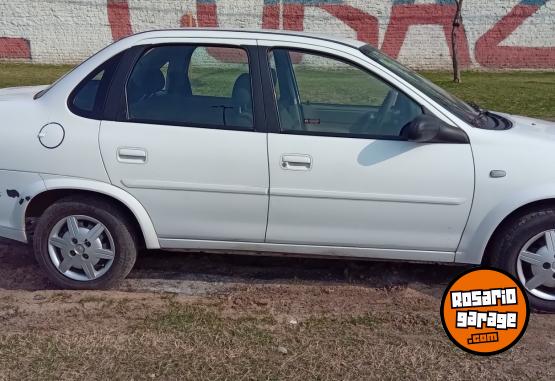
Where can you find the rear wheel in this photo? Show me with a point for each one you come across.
(84, 244)
(526, 249)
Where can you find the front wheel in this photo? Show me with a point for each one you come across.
(84, 244)
(526, 249)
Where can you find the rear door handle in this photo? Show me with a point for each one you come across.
(132, 155)
(296, 162)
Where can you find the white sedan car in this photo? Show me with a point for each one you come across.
(259, 141)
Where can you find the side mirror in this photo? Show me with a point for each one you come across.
(429, 129)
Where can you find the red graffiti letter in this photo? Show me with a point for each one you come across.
(490, 54)
(404, 16)
(15, 48)
(207, 17)
(364, 24)
(119, 19)
(270, 16)
(207, 14)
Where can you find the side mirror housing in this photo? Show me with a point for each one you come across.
(429, 129)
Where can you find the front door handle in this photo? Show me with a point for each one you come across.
(295, 162)
(132, 155)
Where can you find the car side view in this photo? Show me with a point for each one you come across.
(267, 141)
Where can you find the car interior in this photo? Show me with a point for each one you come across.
(85, 98)
(186, 85)
(160, 89)
(386, 117)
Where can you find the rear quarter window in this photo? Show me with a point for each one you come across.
(89, 96)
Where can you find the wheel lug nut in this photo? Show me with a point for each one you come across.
(85, 256)
(87, 243)
(74, 240)
(547, 265)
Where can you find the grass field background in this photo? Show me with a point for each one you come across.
(522, 93)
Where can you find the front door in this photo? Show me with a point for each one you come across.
(341, 175)
(187, 147)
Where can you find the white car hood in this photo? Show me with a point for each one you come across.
(20, 92)
(530, 127)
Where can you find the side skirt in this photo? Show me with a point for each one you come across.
(307, 250)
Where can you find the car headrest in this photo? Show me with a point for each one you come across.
(241, 94)
(148, 82)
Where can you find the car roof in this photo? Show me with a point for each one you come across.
(271, 34)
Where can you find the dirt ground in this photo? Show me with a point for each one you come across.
(206, 316)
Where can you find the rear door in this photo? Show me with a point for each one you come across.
(187, 142)
(340, 173)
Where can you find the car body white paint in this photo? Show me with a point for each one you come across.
(18, 186)
(446, 214)
(358, 189)
(205, 182)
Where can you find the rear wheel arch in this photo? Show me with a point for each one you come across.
(40, 202)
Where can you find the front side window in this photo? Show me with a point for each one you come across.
(190, 85)
(444, 98)
(318, 94)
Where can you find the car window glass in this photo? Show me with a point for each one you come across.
(438, 94)
(88, 98)
(324, 95)
(218, 80)
(273, 73)
(84, 99)
(195, 86)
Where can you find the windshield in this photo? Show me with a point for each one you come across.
(461, 109)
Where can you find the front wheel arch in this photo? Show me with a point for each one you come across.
(510, 219)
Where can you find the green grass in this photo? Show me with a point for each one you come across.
(20, 74)
(213, 83)
(343, 86)
(525, 93)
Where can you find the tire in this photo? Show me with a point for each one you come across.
(518, 234)
(111, 255)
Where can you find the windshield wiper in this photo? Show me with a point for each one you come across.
(481, 112)
(476, 107)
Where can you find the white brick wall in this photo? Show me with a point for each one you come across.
(499, 33)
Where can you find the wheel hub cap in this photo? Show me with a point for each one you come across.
(81, 248)
(536, 265)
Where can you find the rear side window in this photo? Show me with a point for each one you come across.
(88, 98)
(218, 80)
(193, 86)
